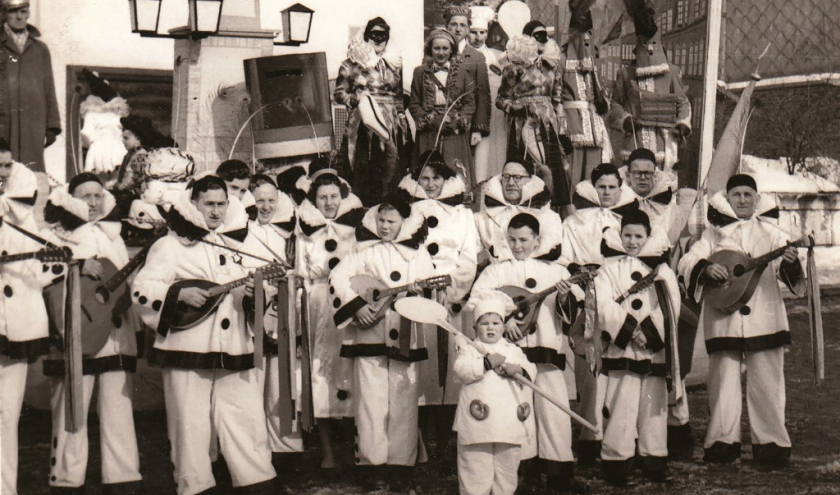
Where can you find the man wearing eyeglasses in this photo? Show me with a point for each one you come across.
(516, 190)
(656, 192)
(29, 118)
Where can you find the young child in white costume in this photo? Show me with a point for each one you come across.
(492, 407)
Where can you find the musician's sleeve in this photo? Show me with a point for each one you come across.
(488, 280)
(693, 262)
(617, 325)
(345, 301)
(150, 291)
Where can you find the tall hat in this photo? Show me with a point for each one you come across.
(580, 19)
(644, 17)
(482, 16)
(651, 62)
(580, 22)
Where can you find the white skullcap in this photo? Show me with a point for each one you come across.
(481, 16)
(490, 302)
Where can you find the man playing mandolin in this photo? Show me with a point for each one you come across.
(542, 340)
(84, 217)
(211, 387)
(744, 222)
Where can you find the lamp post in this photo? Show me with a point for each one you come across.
(203, 18)
(297, 22)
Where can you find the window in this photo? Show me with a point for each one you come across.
(681, 13)
(670, 19)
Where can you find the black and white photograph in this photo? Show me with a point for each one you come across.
(419, 247)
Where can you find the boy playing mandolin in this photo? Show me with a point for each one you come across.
(542, 341)
(384, 345)
(633, 319)
(745, 222)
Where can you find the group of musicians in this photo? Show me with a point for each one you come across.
(220, 344)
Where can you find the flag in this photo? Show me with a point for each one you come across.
(727, 155)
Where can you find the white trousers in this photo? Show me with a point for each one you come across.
(386, 411)
(12, 386)
(488, 468)
(292, 442)
(638, 408)
(554, 427)
(765, 397)
(117, 438)
(202, 405)
(592, 392)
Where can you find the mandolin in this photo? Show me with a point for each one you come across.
(735, 292)
(527, 302)
(183, 316)
(103, 301)
(379, 296)
(46, 255)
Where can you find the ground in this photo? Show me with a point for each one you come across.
(812, 419)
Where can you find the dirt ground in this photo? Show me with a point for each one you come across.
(813, 420)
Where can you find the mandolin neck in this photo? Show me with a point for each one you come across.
(223, 289)
(9, 258)
(767, 258)
(539, 296)
(386, 293)
(122, 275)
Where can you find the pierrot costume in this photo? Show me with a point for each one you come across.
(211, 387)
(386, 379)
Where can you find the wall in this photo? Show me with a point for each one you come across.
(98, 33)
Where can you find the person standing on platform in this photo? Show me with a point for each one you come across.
(584, 100)
(370, 83)
(457, 19)
(29, 118)
(490, 152)
(648, 100)
(443, 103)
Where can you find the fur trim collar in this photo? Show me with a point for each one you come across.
(653, 253)
(586, 197)
(452, 192)
(722, 215)
(21, 191)
(411, 237)
(71, 213)
(310, 219)
(534, 193)
(186, 221)
(653, 70)
(284, 213)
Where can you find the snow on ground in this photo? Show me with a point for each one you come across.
(771, 176)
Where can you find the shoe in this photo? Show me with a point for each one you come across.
(766, 466)
(722, 453)
(659, 476)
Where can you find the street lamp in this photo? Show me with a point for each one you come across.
(145, 16)
(204, 17)
(297, 21)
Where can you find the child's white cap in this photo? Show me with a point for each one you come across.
(493, 301)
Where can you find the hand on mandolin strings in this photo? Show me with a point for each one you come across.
(92, 268)
(512, 330)
(193, 296)
(716, 272)
(366, 316)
